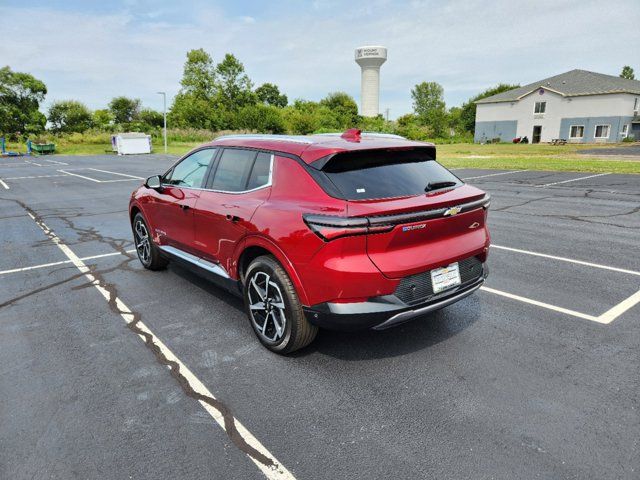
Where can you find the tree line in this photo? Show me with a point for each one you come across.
(221, 96)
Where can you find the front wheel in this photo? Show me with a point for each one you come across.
(273, 307)
(148, 253)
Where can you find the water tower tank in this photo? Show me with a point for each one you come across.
(370, 59)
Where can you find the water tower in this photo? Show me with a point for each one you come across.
(370, 59)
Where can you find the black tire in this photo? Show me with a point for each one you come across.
(297, 332)
(150, 256)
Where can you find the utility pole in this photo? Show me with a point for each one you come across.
(164, 132)
(386, 112)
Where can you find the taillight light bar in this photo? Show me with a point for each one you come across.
(329, 227)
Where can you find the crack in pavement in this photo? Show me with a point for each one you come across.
(97, 279)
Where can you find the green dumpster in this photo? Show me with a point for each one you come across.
(43, 148)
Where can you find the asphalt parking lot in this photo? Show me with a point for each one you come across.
(535, 376)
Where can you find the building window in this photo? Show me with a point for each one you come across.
(635, 105)
(540, 107)
(577, 131)
(625, 130)
(602, 131)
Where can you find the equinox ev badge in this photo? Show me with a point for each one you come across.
(408, 228)
(452, 211)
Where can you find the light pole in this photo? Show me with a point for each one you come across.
(164, 102)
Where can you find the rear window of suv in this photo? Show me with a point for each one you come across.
(372, 174)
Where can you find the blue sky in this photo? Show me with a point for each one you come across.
(93, 51)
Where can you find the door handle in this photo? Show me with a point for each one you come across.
(185, 207)
(233, 218)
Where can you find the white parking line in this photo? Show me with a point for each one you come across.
(5, 186)
(495, 174)
(540, 304)
(574, 180)
(606, 318)
(53, 161)
(570, 260)
(116, 173)
(275, 470)
(33, 176)
(80, 176)
(62, 262)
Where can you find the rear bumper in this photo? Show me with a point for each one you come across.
(386, 311)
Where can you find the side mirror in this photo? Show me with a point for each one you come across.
(153, 182)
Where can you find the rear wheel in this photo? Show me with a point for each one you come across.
(273, 307)
(148, 253)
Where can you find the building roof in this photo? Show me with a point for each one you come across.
(571, 84)
(313, 147)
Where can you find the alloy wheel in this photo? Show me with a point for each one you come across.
(143, 246)
(267, 308)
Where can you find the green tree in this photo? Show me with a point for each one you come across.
(261, 118)
(429, 106)
(124, 110)
(196, 106)
(269, 94)
(102, 119)
(468, 113)
(69, 116)
(235, 89)
(199, 75)
(627, 72)
(151, 118)
(20, 97)
(191, 111)
(343, 107)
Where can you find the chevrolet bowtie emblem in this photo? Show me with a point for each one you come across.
(452, 211)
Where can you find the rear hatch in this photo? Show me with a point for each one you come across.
(420, 215)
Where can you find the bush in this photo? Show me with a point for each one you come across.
(69, 116)
(262, 118)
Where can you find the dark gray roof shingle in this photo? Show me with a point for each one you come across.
(572, 84)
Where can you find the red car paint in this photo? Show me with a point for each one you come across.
(228, 229)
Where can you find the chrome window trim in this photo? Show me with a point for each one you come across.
(266, 185)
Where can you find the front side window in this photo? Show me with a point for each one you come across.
(233, 170)
(540, 107)
(602, 131)
(577, 131)
(190, 172)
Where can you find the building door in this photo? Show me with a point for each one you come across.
(537, 133)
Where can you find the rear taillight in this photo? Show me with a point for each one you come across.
(329, 227)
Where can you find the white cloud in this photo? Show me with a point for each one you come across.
(464, 45)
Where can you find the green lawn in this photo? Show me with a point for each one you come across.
(461, 155)
(534, 157)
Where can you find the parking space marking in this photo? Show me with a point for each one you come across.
(605, 319)
(495, 174)
(129, 178)
(33, 176)
(540, 304)
(260, 456)
(570, 260)
(53, 161)
(116, 173)
(62, 262)
(573, 180)
(4, 185)
(80, 176)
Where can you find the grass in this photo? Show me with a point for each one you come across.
(462, 155)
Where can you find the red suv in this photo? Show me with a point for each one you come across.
(345, 232)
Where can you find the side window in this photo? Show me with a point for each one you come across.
(233, 170)
(190, 171)
(260, 172)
